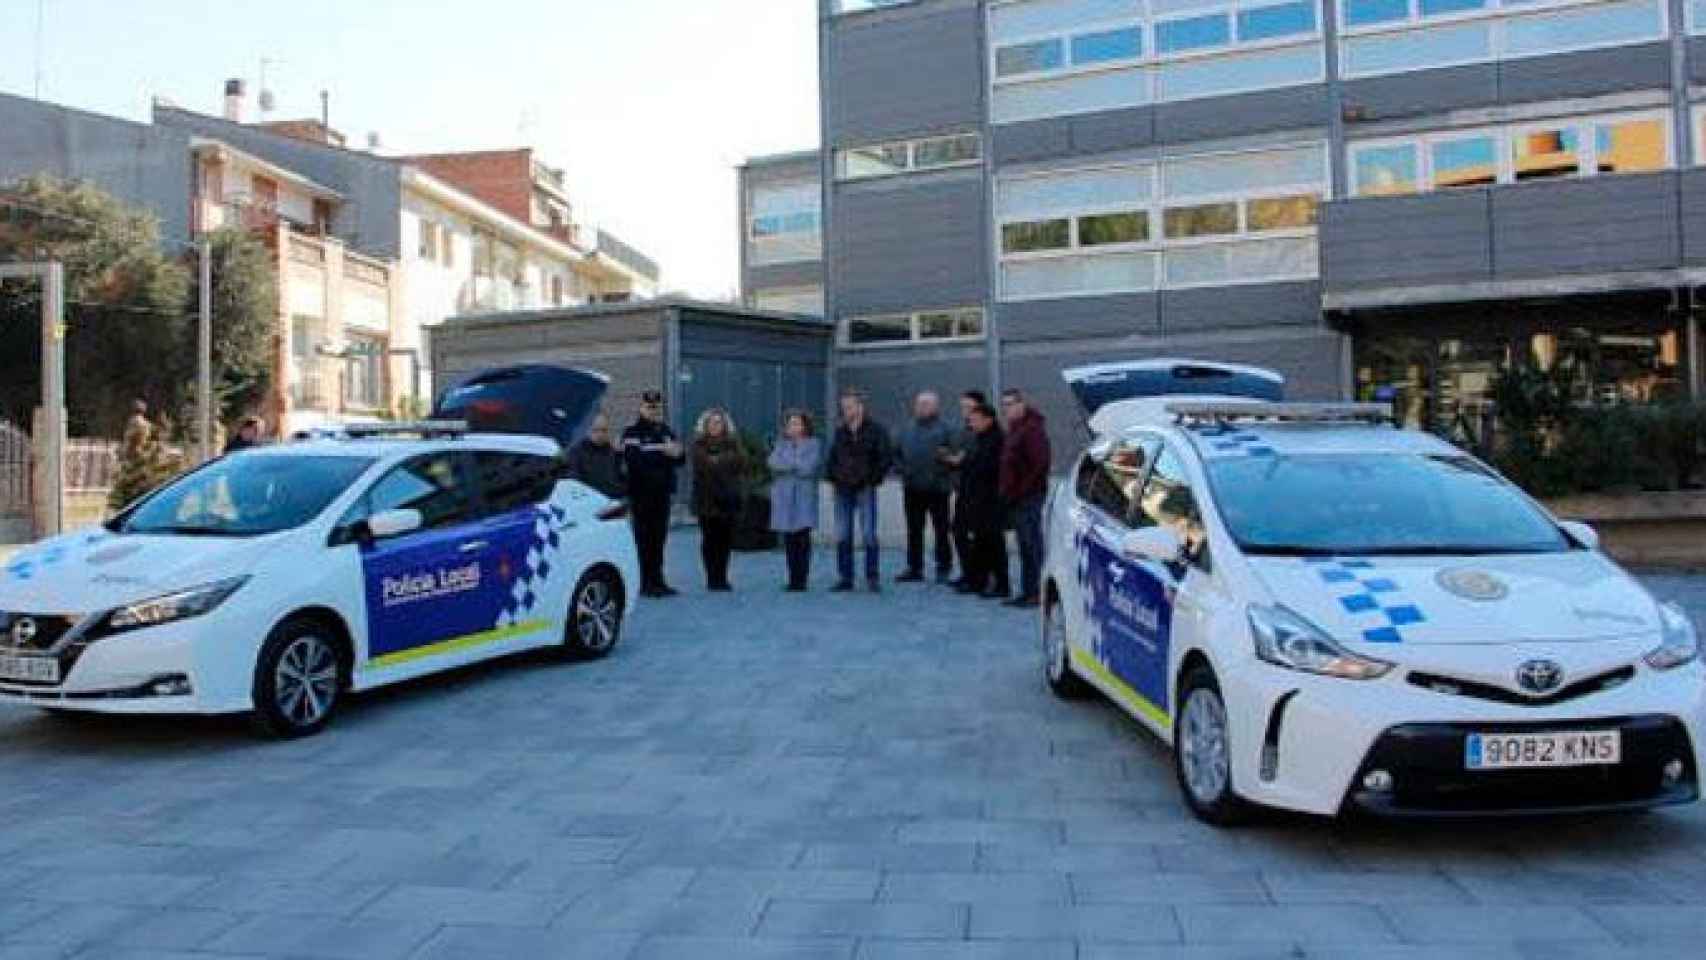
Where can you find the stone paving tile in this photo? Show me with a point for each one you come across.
(760, 775)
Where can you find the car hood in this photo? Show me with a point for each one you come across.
(95, 570)
(1576, 596)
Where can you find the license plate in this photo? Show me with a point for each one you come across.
(1522, 751)
(32, 669)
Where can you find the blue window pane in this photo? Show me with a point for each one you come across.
(1465, 163)
(1282, 21)
(1108, 45)
(1029, 58)
(1193, 34)
(1361, 12)
(1439, 8)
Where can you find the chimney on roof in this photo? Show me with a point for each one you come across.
(234, 100)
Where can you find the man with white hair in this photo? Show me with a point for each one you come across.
(926, 479)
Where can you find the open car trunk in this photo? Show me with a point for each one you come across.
(537, 398)
(1107, 391)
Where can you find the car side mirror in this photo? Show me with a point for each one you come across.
(1580, 532)
(1153, 543)
(394, 523)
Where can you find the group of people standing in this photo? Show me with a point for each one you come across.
(964, 484)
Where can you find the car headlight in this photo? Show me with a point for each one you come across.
(181, 605)
(1680, 646)
(1285, 639)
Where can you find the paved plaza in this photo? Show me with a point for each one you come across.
(767, 775)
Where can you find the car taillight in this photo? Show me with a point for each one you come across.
(616, 511)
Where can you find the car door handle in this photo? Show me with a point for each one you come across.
(473, 546)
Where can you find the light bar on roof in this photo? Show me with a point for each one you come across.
(413, 428)
(1283, 412)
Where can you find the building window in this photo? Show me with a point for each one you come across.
(1391, 36)
(364, 382)
(806, 300)
(556, 289)
(485, 255)
(1057, 57)
(784, 223)
(859, 6)
(922, 327)
(430, 241)
(1200, 220)
(908, 156)
(1578, 147)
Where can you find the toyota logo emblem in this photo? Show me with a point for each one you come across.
(1539, 676)
(23, 632)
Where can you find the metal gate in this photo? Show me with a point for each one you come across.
(15, 484)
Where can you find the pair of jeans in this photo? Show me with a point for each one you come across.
(929, 505)
(651, 527)
(798, 547)
(1028, 531)
(856, 508)
(716, 542)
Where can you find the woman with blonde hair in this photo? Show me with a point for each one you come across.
(718, 465)
(796, 464)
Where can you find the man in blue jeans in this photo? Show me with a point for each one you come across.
(859, 460)
(1024, 486)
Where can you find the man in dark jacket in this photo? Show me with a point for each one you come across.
(927, 482)
(1024, 487)
(980, 509)
(596, 462)
(963, 443)
(247, 437)
(652, 455)
(859, 460)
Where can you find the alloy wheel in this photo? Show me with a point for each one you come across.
(305, 683)
(597, 615)
(1202, 746)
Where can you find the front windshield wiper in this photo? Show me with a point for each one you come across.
(185, 530)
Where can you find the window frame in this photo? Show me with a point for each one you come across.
(1151, 444)
(1496, 14)
(914, 323)
(912, 144)
(485, 508)
(1585, 125)
(361, 508)
(1154, 206)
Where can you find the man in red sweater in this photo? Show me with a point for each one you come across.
(1024, 486)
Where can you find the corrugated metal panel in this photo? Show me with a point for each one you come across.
(1119, 315)
(1423, 91)
(890, 387)
(1585, 74)
(1214, 117)
(1586, 226)
(1445, 237)
(1245, 305)
(892, 77)
(807, 273)
(902, 246)
(703, 339)
(1032, 140)
(1693, 186)
(1697, 59)
(1113, 130)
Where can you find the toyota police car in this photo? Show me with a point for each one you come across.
(1321, 612)
(277, 580)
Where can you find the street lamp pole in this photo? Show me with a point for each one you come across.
(204, 375)
(50, 460)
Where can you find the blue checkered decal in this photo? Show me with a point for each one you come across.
(542, 547)
(1374, 602)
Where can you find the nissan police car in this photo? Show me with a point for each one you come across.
(277, 580)
(1321, 612)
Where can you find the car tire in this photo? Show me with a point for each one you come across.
(594, 623)
(1202, 752)
(300, 679)
(1057, 655)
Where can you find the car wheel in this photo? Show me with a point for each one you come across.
(1057, 655)
(1202, 754)
(595, 617)
(299, 680)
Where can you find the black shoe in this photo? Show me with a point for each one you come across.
(997, 593)
(842, 586)
(910, 576)
(876, 585)
(960, 583)
(967, 587)
(720, 588)
(794, 588)
(666, 591)
(1024, 603)
(944, 577)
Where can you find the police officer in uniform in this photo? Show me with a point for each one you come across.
(653, 455)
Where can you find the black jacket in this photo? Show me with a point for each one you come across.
(718, 466)
(859, 460)
(599, 466)
(651, 473)
(980, 480)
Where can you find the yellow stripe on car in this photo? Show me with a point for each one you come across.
(1120, 690)
(456, 644)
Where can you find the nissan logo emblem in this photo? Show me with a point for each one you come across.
(23, 631)
(1539, 676)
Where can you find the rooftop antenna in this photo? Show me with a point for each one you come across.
(41, 22)
(326, 109)
(267, 100)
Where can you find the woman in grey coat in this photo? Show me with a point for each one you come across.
(795, 466)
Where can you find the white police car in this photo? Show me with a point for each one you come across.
(276, 580)
(1321, 612)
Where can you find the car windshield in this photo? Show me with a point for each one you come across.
(1386, 504)
(245, 495)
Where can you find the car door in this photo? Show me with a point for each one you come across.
(430, 589)
(1118, 632)
(523, 534)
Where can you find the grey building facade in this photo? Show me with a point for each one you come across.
(1391, 199)
(781, 246)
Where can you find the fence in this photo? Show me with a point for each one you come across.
(90, 464)
(15, 483)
